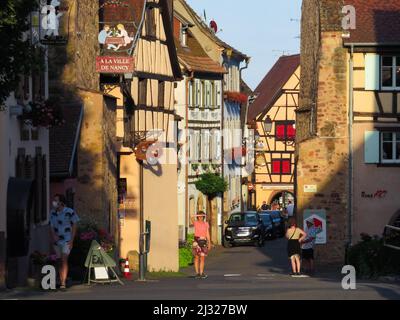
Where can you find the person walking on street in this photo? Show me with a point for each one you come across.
(201, 244)
(307, 248)
(63, 227)
(295, 237)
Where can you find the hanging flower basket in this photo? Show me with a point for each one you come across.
(236, 97)
(41, 113)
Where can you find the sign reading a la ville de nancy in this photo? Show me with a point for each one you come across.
(115, 64)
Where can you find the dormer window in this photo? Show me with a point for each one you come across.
(183, 34)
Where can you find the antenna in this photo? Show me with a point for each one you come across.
(205, 15)
(283, 52)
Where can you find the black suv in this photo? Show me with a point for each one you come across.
(244, 227)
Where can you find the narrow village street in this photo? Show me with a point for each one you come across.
(240, 273)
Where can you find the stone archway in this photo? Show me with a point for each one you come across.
(282, 197)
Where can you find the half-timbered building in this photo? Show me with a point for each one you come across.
(272, 116)
(146, 128)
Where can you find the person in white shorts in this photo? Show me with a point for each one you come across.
(63, 226)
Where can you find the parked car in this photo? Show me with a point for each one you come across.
(269, 229)
(244, 227)
(279, 222)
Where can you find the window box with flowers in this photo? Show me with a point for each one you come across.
(45, 114)
(237, 97)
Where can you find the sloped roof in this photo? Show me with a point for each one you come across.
(194, 58)
(63, 141)
(244, 88)
(378, 22)
(210, 33)
(270, 87)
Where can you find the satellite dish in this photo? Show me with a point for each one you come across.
(214, 26)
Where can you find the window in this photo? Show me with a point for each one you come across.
(218, 94)
(205, 142)
(213, 94)
(390, 147)
(390, 72)
(281, 166)
(190, 93)
(197, 93)
(285, 131)
(202, 94)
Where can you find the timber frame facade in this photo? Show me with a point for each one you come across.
(146, 117)
(274, 174)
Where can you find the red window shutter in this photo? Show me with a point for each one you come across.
(276, 166)
(286, 167)
(291, 132)
(280, 132)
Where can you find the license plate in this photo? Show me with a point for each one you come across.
(241, 234)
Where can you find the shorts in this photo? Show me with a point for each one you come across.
(199, 251)
(307, 254)
(62, 249)
(293, 249)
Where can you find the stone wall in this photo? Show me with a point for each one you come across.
(74, 65)
(322, 146)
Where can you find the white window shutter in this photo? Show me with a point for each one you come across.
(372, 71)
(371, 147)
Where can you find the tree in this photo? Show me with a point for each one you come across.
(17, 54)
(211, 185)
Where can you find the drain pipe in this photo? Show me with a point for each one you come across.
(351, 110)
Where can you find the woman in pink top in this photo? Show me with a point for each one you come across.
(201, 244)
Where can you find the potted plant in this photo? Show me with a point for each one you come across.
(205, 167)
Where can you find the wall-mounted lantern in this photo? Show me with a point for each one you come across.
(267, 125)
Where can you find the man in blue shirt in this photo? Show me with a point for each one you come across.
(63, 226)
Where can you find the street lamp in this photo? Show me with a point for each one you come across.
(267, 124)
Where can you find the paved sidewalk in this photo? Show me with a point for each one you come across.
(241, 273)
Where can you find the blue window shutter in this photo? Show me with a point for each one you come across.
(371, 146)
(372, 71)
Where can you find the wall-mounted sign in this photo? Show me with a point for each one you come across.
(119, 20)
(53, 15)
(114, 64)
(379, 194)
(316, 219)
(310, 188)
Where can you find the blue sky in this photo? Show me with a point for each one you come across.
(256, 28)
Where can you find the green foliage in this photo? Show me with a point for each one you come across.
(17, 54)
(211, 185)
(185, 253)
(372, 259)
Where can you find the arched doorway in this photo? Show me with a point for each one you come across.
(282, 198)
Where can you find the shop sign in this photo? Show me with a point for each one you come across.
(113, 64)
(318, 220)
(311, 188)
(379, 194)
(53, 20)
